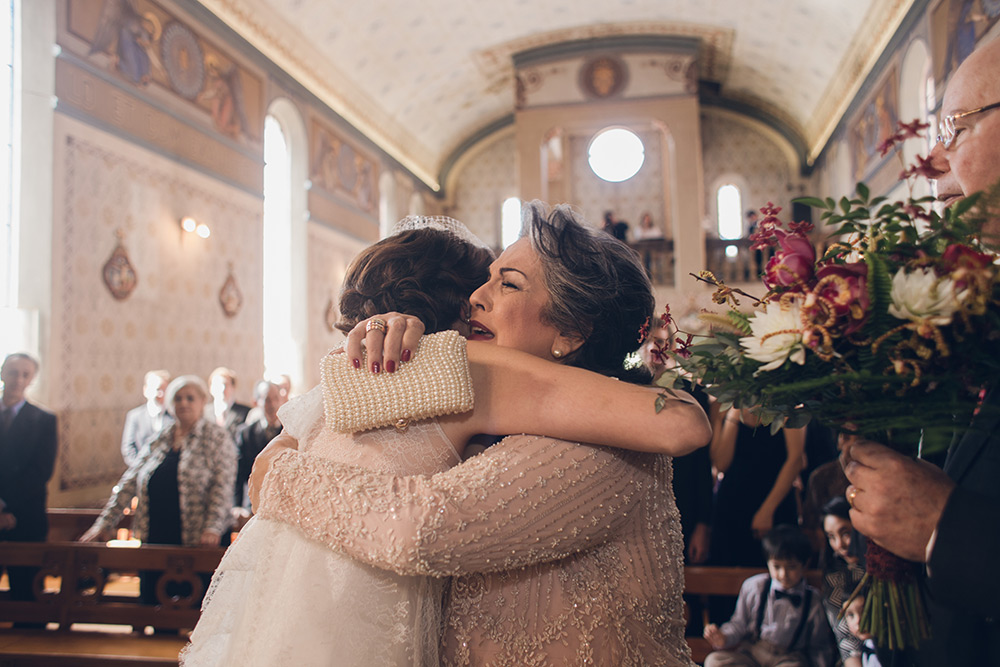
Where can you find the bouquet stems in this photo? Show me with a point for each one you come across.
(894, 613)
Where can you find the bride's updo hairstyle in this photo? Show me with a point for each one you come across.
(427, 272)
(598, 289)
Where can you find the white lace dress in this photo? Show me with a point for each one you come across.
(279, 598)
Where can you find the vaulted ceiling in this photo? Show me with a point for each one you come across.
(421, 78)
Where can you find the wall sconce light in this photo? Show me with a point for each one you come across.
(189, 224)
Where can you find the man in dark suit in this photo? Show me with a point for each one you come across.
(254, 436)
(949, 519)
(27, 459)
(145, 422)
(225, 411)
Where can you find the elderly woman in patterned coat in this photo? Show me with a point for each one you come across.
(183, 480)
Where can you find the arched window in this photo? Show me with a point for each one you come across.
(510, 221)
(278, 348)
(286, 321)
(730, 207)
(8, 227)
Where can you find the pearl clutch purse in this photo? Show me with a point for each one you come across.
(435, 382)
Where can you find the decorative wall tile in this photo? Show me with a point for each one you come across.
(489, 178)
(102, 346)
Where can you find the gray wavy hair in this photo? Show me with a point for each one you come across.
(598, 288)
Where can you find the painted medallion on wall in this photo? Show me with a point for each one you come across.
(603, 77)
(119, 276)
(147, 46)
(230, 296)
(182, 58)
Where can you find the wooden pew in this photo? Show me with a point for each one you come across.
(81, 572)
(66, 524)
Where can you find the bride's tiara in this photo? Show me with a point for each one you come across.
(441, 223)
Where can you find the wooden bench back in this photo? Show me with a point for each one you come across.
(83, 570)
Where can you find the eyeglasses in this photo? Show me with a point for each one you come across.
(948, 130)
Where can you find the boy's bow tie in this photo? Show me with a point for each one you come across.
(794, 598)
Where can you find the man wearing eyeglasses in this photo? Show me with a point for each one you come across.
(949, 520)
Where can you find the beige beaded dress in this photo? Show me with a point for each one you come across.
(560, 553)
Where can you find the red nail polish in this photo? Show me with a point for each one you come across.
(405, 356)
(390, 366)
(356, 362)
(376, 367)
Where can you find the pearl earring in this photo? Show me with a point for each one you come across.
(557, 354)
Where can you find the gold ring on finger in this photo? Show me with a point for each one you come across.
(375, 324)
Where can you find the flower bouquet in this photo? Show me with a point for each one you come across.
(890, 334)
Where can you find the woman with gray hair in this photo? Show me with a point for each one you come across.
(183, 479)
(559, 552)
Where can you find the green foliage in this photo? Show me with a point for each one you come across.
(889, 379)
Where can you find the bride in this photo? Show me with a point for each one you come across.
(280, 599)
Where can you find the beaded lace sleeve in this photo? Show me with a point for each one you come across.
(527, 499)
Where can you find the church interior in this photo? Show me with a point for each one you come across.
(188, 180)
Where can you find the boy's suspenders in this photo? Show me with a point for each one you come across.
(803, 617)
(761, 607)
(806, 608)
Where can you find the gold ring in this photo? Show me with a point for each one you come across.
(375, 324)
(851, 495)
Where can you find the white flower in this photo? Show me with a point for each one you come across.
(777, 336)
(921, 296)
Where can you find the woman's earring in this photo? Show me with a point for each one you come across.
(557, 354)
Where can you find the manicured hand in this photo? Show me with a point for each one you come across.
(386, 349)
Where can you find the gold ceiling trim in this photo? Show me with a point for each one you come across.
(714, 55)
(872, 38)
(262, 27)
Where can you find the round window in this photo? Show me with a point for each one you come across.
(616, 154)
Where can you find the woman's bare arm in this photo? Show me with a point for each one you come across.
(520, 393)
(724, 439)
(795, 443)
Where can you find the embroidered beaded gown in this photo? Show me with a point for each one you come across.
(279, 598)
(560, 553)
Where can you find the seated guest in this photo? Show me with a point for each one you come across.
(867, 655)
(28, 443)
(183, 480)
(647, 229)
(255, 434)
(146, 421)
(225, 411)
(843, 568)
(779, 618)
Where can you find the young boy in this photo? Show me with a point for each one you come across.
(852, 614)
(779, 618)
